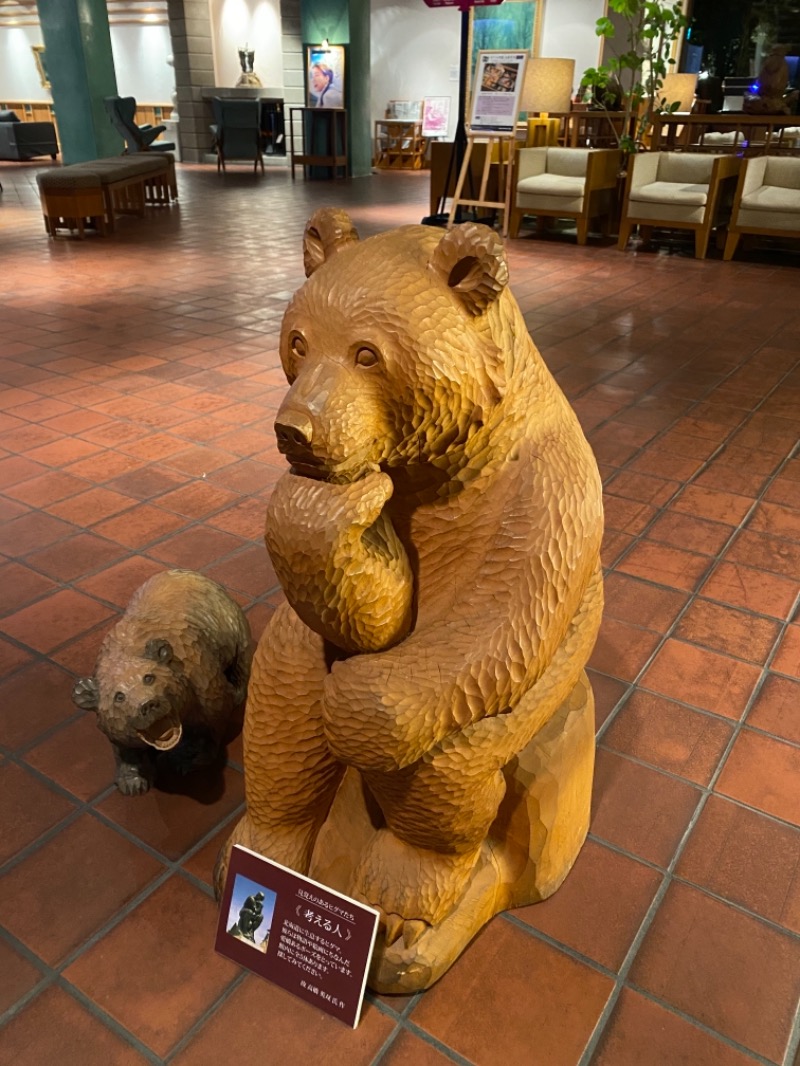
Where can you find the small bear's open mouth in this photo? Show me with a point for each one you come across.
(163, 734)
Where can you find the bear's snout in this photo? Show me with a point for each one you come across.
(293, 430)
(148, 707)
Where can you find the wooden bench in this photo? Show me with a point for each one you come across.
(97, 191)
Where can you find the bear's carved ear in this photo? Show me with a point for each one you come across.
(471, 260)
(328, 230)
(159, 650)
(86, 694)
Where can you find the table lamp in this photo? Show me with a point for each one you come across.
(548, 84)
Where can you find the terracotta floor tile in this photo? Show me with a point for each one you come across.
(702, 678)
(33, 701)
(689, 533)
(599, 908)
(29, 807)
(776, 708)
(621, 649)
(64, 451)
(785, 490)
(92, 872)
(614, 545)
(117, 583)
(197, 499)
(766, 552)
(88, 508)
(710, 504)
(77, 421)
(638, 809)
(17, 468)
(104, 466)
(249, 571)
(196, 548)
(12, 657)
(56, 1028)
(201, 863)
(172, 822)
(140, 526)
(694, 946)
(177, 922)
(763, 773)
(31, 531)
(247, 476)
(502, 1028)
(665, 565)
(79, 656)
(747, 858)
(726, 630)
(409, 1050)
(75, 556)
(641, 1031)
(754, 590)
(260, 1014)
(245, 519)
(54, 620)
(19, 977)
(640, 603)
(669, 736)
(146, 482)
(627, 516)
(47, 489)
(78, 757)
(787, 657)
(776, 519)
(607, 694)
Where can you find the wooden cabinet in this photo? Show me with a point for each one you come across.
(323, 135)
(399, 145)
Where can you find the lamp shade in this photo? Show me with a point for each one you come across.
(680, 87)
(548, 84)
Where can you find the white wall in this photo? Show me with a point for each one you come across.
(413, 51)
(19, 79)
(414, 47)
(140, 60)
(256, 23)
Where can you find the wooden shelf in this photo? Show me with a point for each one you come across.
(399, 145)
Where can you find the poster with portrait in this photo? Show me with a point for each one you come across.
(325, 76)
(435, 116)
(497, 91)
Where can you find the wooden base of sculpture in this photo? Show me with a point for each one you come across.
(531, 847)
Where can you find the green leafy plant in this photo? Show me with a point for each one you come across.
(636, 69)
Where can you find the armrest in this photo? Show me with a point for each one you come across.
(602, 171)
(150, 133)
(531, 162)
(754, 170)
(643, 168)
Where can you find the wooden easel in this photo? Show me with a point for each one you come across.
(505, 154)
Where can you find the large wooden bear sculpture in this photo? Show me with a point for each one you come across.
(419, 728)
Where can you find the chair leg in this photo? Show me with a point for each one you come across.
(583, 230)
(701, 242)
(625, 228)
(515, 221)
(731, 244)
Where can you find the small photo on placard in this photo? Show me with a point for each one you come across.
(304, 937)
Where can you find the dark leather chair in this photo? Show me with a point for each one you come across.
(237, 131)
(121, 110)
(26, 140)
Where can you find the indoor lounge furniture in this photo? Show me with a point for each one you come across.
(21, 141)
(237, 131)
(678, 190)
(121, 110)
(575, 183)
(767, 200)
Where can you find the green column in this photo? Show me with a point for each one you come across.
(80, 66)
(347, 22)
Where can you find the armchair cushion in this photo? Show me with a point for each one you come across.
(9, 116)
(685, 167)
(571, 162)
(671, 192)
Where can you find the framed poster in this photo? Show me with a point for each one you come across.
(497, 91)
(511, 27)
(325, 75)
(435, 116)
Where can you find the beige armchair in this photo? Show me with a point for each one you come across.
(677, 190)
(577, 183)
(767, 200)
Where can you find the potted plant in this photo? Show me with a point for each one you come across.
(636, 69)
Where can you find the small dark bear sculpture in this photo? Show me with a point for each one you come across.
(169, 675)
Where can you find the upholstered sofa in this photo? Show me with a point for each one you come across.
(25, 140)
(767, 200)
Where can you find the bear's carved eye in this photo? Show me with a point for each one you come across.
(297, 345)
(367, 357)
(149, 679)
(119, 697)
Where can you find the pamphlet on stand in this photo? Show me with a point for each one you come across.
(304, 937)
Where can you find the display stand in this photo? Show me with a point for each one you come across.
(324, 138)
(399, 145)
(504, 144)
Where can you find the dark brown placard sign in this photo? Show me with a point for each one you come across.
(304, 937)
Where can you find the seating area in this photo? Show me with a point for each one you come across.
(21, 141)
(122, 110)
(767, 200)
(92, 194)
